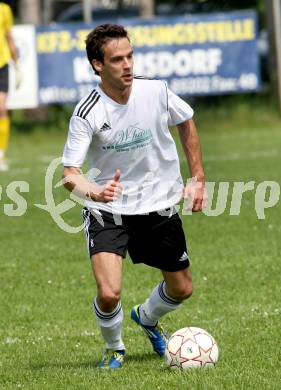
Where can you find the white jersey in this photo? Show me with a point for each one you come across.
(134, 138)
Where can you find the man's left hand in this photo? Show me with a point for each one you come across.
(196, 192)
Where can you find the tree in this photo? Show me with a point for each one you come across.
(146, 8)
(29, 11)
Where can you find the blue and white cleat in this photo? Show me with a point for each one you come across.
(112, 359)
(156, 334)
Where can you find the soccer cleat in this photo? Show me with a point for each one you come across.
(156, 334)
(112, 359)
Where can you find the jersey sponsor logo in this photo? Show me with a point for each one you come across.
(105, 127)
(132, 138)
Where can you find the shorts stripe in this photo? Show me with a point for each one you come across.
(87, 221)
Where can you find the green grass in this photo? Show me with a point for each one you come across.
(48, 337)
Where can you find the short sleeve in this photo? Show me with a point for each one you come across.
(8, 19)
(78, 142)
(179, 110)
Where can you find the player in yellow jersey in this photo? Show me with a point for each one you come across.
(8, 50)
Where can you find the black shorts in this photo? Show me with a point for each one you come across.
(152, 239)
(4, 78)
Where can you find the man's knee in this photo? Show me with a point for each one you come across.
(108, 299)
(179, 286)
(182, 292)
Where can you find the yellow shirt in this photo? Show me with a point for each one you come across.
(6, 22)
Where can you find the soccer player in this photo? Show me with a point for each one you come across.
(8, 50)
(133, 186)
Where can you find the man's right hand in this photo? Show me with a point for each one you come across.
(108, 192)
(75, 182)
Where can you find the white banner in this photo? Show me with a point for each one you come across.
(26, 96)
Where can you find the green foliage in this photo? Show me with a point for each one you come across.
(222, 5)
(220, 113)
(199, 6)
(51, 118)
(257, 110)
(48, 337)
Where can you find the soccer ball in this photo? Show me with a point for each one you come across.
(191, 348)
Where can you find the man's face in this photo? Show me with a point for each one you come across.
(117, 66)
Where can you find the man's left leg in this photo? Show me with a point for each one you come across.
(167, 296)
(4, 131)
(178, 284)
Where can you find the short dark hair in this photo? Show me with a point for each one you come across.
(99, 36)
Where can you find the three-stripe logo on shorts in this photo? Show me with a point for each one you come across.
(86, 217)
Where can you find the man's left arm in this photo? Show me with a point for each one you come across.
(192, 149)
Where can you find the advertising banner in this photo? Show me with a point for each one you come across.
(200, 54)
(206, 54)
(64, 71)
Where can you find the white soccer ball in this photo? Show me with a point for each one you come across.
(191, 348)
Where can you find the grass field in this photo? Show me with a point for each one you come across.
(48, 337)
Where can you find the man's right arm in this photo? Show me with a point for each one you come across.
(75, 182)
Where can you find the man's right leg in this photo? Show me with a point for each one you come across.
(107, 269)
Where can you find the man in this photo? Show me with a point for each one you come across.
(134, 178)
(8, 50)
